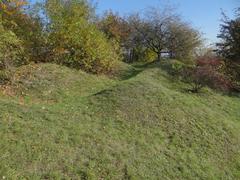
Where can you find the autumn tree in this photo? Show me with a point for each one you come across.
(75, 41)
(19, 19)
(153, 29)
(115, 27)
(11, 49)
(182, 41)
(11, 7)
(229, 45)
(163, 31)
(13, 16)
(208, 71)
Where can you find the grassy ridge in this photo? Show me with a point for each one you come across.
(143, 125)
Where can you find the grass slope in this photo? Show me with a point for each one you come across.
(68, 124)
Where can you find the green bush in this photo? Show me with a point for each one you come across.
(141, 54)
(75, 40)
(11, 50)
(82, 46)
(176, 68)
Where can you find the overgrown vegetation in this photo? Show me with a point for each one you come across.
(61, 32)
(229, 46)
(70, 33)
(12, 53)
(149, 35)
(76, 41)
(11, 50)
(111, 97)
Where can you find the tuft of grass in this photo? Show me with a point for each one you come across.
(67, 124)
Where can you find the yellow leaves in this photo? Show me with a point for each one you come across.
(3, 6)
(60, 50)
(12, 6)
(20, 3)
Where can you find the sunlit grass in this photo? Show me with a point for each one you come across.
(64, 123)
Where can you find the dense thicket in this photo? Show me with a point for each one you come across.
(61, 32)
(76, 41)
(229, 45)
(68, 32)
(150, 35)
(11, 49)
(17, 17)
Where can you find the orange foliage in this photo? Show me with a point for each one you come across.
(10, 7)
(11, 11)
(115, 27)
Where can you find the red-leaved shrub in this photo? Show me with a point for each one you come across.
(208, 71)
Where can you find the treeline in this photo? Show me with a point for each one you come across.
(150, 35)
(69, 32)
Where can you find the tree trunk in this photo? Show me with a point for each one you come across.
(159, 57)
(171, 54)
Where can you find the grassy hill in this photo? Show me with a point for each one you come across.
(57, 123)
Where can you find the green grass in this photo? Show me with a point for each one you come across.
(68, 124)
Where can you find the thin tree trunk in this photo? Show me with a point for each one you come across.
(159, 57)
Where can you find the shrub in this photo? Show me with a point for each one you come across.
(233, 72)
(75, 40)
(209, 71)
(82, 46)
(11, 50)
(176, 68)
(148, 56)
